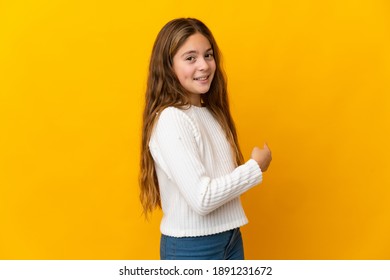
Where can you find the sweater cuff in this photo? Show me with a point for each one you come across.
(255, 171)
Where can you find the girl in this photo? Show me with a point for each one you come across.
(191, 163)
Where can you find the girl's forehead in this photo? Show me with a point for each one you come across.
(196, 41)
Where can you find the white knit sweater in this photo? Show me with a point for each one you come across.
(199, 183)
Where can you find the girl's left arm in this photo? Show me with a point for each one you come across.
(175, 150)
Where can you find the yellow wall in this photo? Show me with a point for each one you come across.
(309, 77)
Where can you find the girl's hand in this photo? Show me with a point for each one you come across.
(262, 157)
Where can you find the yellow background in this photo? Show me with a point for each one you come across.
(309, 77)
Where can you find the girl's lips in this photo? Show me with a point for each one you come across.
(203, 78)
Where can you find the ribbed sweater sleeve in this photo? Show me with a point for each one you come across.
(176, 148)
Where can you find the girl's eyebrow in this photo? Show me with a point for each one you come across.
(194, 52)
(189, 52)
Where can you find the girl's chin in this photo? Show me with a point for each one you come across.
(203, 90)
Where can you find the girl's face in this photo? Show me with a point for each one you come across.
(194, 66)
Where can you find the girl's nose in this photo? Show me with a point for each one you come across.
(203, 64)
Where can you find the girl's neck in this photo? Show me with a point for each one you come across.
(195, 100)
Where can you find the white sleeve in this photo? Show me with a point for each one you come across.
(175, 150)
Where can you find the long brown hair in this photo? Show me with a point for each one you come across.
(164, 90)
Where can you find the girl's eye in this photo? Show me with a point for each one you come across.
(190, 58)
(209, 56)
